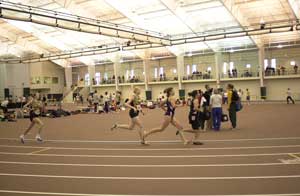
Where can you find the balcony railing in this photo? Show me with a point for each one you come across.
(242, 74)
(281, 72)
(164, 79)
(198, 76)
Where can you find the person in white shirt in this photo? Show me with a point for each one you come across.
(95, 101)
(289, 96)
(216, 105)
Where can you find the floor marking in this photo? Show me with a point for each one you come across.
(147, 156)
(95, 194)
(294, 156)
(152, 166)
(153, 149)
(150, 178)
(157, 141)
(38, 151)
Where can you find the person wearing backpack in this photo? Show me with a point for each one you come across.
(233, 98)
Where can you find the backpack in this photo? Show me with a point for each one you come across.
(235, 96)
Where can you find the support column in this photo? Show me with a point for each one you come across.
(146, 66)
(261, 58)
(117, 65)
(91, 71)
(3, 83)
(218, 67)
(68, 77)
(180, 69)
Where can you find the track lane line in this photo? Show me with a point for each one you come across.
(38, 151)
(91, 194)
(148, 166)
(156, 141)
(148, 156)
(149, 178)
(152, 149)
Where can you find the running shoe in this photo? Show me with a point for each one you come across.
(22, 139)
(197, 143)
(113, 127)
(39, 139)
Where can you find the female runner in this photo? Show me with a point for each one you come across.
(134, 104)
(169, 116)
(35, 112)
(195, 116)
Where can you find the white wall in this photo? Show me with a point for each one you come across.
(159, 88)
(2, 80)
(197, 86)
(48, 69)
(17, 78)
(252, 85)
(276, 88)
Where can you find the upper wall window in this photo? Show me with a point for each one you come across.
(97, 77)
(194, 68)
(132, 73)
(273, 63)
(231, 66)
(55, 80)
(225, 68)
(47, 80)
(87, 79)
(266, 63)
(188, 70)
(161, 70)
(155, 73)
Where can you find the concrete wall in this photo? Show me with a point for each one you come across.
(202, 62)
(17, 77)
(284, 56)
(2, 80)
(47, 69)
(241, 59)
(276, 88)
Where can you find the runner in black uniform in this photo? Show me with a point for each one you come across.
(35, 112)
(134, 104)
(194, 117)
(169, 116)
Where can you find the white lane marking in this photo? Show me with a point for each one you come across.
(91, 194)
(152, 166)
(153, 149)
(158, 141)
(150, 178)
(147, 156)
(38, 151)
